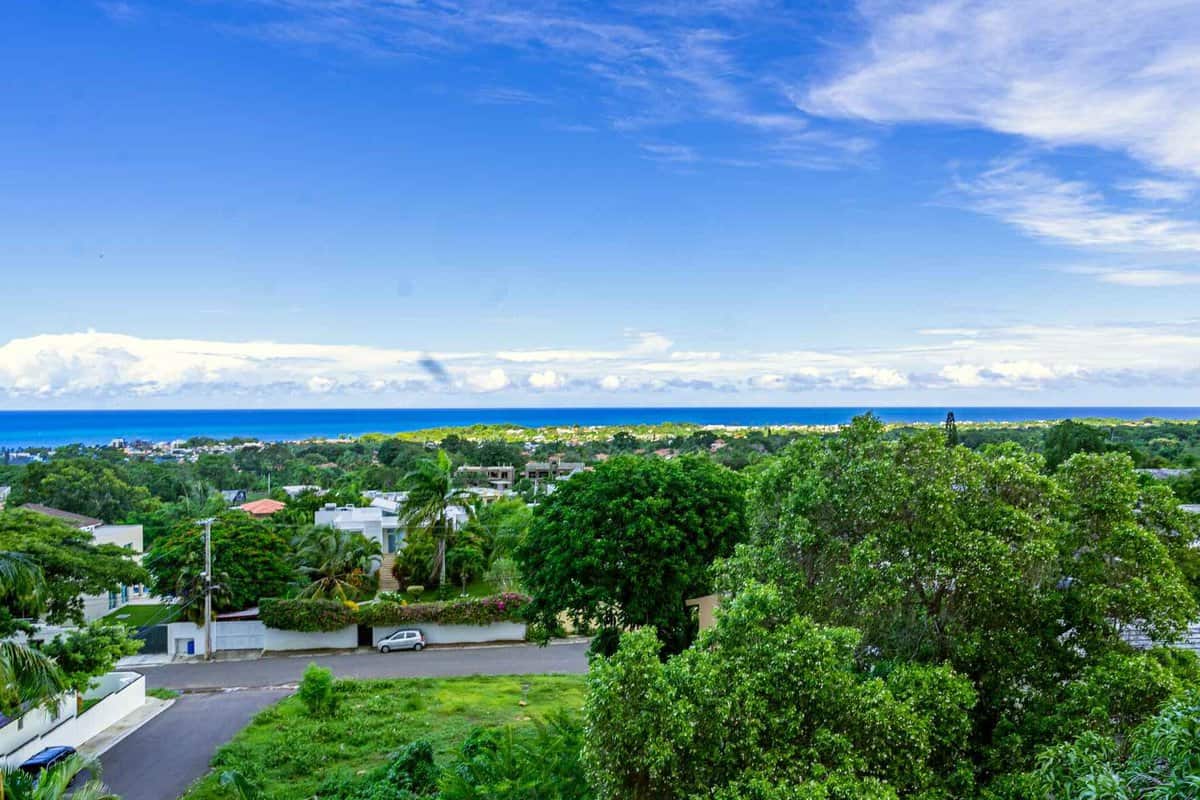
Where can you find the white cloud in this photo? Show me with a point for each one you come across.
(105, 368)
(1084, 72)
(1123, 78)
(1139, 277)
(1073, 213)
(492, 380)
(546, 379)
(1159, 189)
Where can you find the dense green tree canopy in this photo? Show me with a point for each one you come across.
(85, 486)
(629, 543)
(251, 559)
(1069, 437)
(1019, 580)
(70, 561)
(770, 705)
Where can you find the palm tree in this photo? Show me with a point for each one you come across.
(431, 495)
(341, 565)
(27, 676)
(55, 783)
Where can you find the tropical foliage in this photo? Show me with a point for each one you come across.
(471, 611)
(431, 494)
(306, 615)
(339, 565)
(628, 544)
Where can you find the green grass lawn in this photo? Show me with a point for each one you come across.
(290, 753)
(139, 615)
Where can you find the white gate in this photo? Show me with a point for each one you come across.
(239, 635)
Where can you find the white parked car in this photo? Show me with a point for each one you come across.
(402, 640)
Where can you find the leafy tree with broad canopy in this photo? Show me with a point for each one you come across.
(1020, 581)
(70, 562)
(768, 704)
(251, 559)
(85, 486)
(628, 544)
(84, 653)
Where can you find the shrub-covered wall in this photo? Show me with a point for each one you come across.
(330, 615)
(472, 611)
(307, 616)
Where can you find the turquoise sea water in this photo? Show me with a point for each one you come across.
(53, 428)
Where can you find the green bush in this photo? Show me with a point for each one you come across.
(473, 611)
(416, 591)
(316, 691)
(306, 616)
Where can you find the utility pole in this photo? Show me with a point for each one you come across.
(208, 588)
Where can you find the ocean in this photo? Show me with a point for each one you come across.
(53, 428)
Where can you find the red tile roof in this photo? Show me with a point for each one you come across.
(262, 508)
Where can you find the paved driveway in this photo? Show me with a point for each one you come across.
(435, 662)
(163, 757)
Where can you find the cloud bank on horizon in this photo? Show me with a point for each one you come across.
(103, 367)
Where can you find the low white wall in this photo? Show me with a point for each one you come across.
(457, 634)
(344, 639)
(115, 706)
(122, 693)
(178, 633)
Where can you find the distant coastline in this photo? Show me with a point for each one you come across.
(55, 428)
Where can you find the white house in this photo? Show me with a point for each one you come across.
(126, 536)
(372, 522)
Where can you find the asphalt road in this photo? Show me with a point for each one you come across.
(432, 662)
(162, 758)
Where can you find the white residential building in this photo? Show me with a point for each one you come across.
(126, 536)
(373, 522)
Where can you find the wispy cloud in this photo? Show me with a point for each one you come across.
(93, 366)
(1074, 213)
(1140, 277)
(1121, 79)
(650, 65)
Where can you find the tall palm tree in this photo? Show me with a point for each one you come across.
(55, 783)
(341, 565)
(431, 495)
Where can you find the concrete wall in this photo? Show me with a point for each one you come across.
(122, 693)
(344, 639)
(458, 634)
(254, 635)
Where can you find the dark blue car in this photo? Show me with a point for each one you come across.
(46, 759)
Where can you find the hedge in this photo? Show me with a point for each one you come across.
(306, 616)
(474, 611)
(311, 616)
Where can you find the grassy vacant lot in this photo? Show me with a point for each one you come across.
(135, 616)
(290, 753)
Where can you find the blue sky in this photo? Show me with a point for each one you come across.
(302, 202)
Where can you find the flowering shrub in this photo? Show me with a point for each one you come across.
(306, 616)
(473, 611)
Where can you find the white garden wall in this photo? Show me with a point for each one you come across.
(122, 693)
(344, 639)
(458, 634)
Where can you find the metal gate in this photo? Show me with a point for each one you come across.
(239, 635)
(154, 639)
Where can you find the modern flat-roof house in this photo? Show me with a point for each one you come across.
(552, 469)
(498, 477)
(127, 536)
(373, 522)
